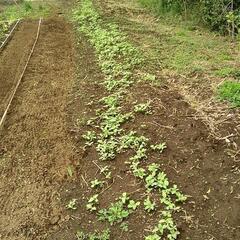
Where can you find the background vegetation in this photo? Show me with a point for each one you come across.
(218, 15)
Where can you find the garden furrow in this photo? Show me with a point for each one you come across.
(35, 147)
(137, 141)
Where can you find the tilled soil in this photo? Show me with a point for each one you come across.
(196, 162)
(35, 147)
(13, 57)
(42, 137)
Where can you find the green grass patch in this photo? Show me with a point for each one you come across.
(228, 72)
(24, 10)
(230, 91)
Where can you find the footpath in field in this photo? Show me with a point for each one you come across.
(35, 147)
(136, 142)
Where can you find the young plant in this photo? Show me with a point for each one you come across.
(90, 137)
(133, 205)
(149, 206)
(114, 214)
(72, 204)
(144, 108)
(105, 235)
(92, 202)
(97, 183)
(124, 227)
(159, 147)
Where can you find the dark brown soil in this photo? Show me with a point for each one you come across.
(197, 163)
(35, 145)
(42, 137)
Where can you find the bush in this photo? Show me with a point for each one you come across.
(217, 14)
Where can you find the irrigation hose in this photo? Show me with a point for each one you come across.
(21, 77)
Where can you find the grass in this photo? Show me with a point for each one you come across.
(230, 91)
(118, 60)
(24, 10)
(184, 49)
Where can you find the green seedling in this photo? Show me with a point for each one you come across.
(70, 171)
(105, 235)
(72, 204)
(124, 198)
(144, 108)
(124, 227)
(149, 206)
(159, 147)
(97, 183)
(114, 214)
(107, 173)
(90, 137)
(133, 205)
(92, 202)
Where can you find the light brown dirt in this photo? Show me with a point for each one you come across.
(13, 57)
(35, 147)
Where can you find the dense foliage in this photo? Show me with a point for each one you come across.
(219, 15)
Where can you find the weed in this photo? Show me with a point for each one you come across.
(27, 6)
(228, 72)
(23, 10)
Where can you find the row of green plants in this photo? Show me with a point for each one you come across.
(118, 59)
(219, 15)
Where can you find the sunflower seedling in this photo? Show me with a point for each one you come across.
(92, 202)
(149, 206)
(97, 183)
(159, 147)
(72, 204)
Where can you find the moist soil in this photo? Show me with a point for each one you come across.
(42, 138)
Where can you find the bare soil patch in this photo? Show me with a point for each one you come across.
(35, 147)
(12, 61)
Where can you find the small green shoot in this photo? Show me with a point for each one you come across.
(97, 183)
(72, 204)
(92, 202)
(159, 147)
(149, 206)
(144, 108)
